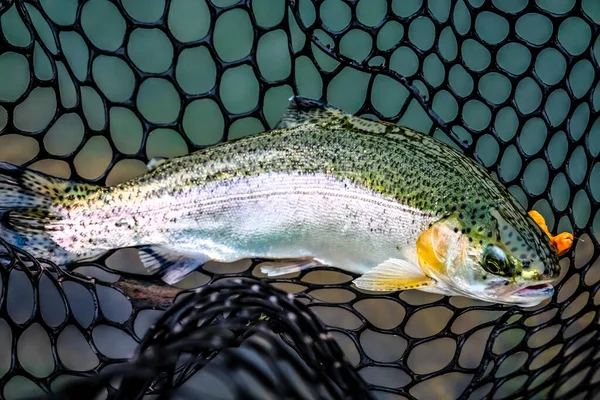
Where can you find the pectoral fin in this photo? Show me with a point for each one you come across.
(392, 275)
(409, 253)
(172, 265)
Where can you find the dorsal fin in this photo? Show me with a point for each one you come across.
(303, 110)
(155, 162)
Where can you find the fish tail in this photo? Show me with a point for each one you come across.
(29, 212)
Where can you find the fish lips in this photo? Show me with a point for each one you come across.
(525, 296)
(531, 295)
(543, 289)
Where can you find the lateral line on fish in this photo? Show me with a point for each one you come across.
(337, 194)
(286, 188)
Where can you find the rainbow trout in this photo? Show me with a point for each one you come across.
(397, 207)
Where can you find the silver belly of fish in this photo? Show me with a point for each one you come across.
(278, 215)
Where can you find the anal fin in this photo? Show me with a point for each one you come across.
(392, 275)
(171, 264)
(288, 266)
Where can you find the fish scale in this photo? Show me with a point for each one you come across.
(338, 189)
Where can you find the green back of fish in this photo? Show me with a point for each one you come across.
(411, 167)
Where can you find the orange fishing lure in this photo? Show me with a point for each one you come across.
(561, 242)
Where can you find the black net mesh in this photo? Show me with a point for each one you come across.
(91, 90)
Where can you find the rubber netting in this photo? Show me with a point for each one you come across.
(91, 90)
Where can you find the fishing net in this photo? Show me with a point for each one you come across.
(92, 90)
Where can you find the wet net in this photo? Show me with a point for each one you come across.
(92, 90)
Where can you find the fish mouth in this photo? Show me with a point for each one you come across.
(544, 289)
(532, 295)
(528, 296)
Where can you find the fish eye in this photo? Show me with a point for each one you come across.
(495, 262)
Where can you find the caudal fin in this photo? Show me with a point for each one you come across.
(28, 209)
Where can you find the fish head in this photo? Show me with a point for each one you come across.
(488, 258)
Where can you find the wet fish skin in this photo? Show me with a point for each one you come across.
(324, 186)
